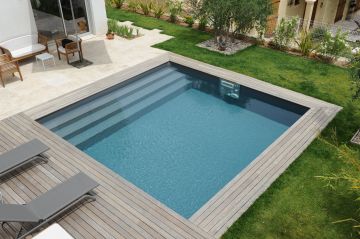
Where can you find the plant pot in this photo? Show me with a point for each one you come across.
(110, 36)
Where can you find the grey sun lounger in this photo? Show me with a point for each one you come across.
(48, 206)
(22, 155)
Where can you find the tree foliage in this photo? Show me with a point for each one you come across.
(232, 16)
(285, 33)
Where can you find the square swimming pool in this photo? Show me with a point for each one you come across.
(178, 134)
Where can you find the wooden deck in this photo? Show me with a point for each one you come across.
(121, 210)
(124, 211)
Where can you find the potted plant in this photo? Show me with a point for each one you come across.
(110, 35)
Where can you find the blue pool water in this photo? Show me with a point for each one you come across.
(177, 134)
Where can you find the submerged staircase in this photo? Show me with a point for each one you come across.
(93, 119)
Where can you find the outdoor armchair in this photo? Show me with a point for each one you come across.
(69, 48)
(8, 67)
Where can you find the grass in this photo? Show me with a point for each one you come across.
(297, 205)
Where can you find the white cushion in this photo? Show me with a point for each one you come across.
(20, 42)
(27, 50)
(74, 38)
(52, 232)
(61, 49)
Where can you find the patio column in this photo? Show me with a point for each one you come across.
(308, 13)
(282, 10)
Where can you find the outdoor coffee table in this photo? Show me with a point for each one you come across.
(45, 57)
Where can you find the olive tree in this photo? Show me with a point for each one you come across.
(248, 15)
(230, 17)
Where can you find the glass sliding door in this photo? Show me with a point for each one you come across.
(80, 14)
(54, 18)
(48, 18)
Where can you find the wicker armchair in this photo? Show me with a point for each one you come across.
(70, 48)
(7, 67)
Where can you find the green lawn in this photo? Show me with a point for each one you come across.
(297, 205)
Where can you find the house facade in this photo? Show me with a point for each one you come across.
(52, 18)
(319, 12)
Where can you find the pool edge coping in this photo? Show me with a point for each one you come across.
(326, 111)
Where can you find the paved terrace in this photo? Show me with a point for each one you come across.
(109, 57)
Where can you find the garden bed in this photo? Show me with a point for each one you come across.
(231, 46)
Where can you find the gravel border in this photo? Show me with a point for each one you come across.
(231, 48)
(356, 138)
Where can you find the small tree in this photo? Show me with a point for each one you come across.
(219, 14)
(250, 14)
(285, 33)
(333, 46)
(234, 16)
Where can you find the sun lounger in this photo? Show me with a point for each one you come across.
(48, 206)
(22, 155)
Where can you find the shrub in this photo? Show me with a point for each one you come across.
(159, 9)
(318, 33)
(355, 76)
(305, 43)
(189, 20)
(146, 7)
(175, 8)
(125, 31)
(133, 5)
(112, 25)
(122, 31)
(285, 33)
(352, 180)
(203, 21)
(118, 3)
(333, 46)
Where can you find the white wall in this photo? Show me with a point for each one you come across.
(16, 19)
(97, 14)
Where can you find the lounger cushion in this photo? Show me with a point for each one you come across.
(61, 49)
(59, 197)
(23, 46)
(27, 50)
(20, 42)
(21, 154)
(16, 213)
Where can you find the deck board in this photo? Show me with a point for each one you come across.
(121, 211)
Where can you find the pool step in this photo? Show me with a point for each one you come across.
(106, 127)
(88, 106)
(105, 111)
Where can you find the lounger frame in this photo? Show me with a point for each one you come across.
(22, 232)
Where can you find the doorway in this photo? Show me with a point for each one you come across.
(54, 17)
(340, 10)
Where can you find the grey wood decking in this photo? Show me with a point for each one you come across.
(124, 211)
(121, 210)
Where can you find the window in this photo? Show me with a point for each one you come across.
(293, 2)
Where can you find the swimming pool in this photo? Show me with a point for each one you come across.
(178, 134)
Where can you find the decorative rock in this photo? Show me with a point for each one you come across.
(356, 138)
(231, 46)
